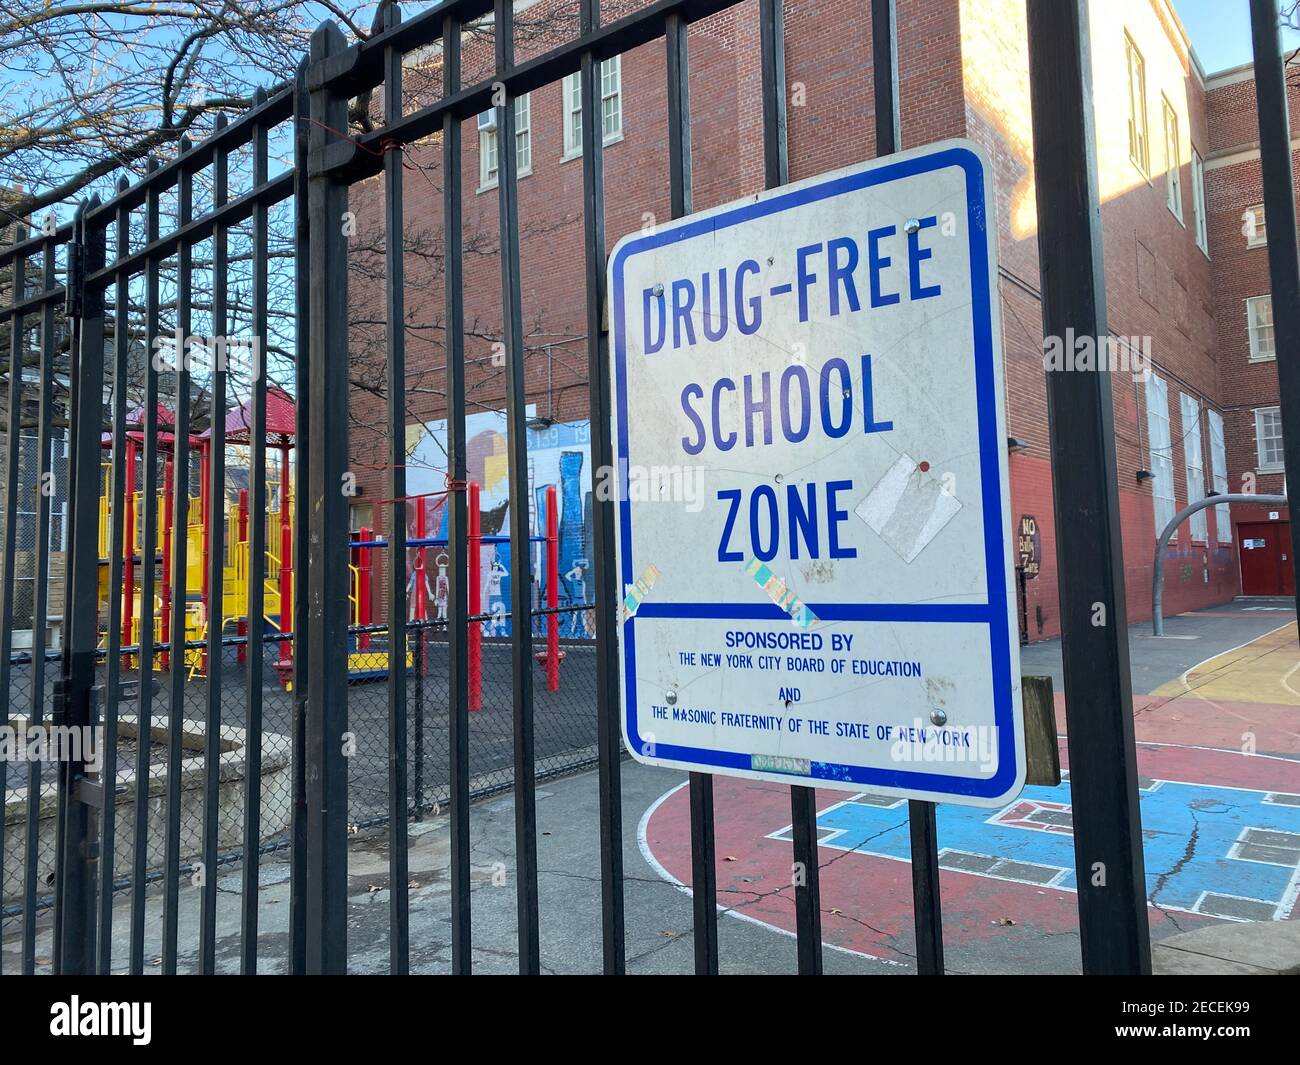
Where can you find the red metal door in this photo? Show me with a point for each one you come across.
(1263, 545)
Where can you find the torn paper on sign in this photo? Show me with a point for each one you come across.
(907, 508)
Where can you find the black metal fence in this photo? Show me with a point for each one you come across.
(72, 345)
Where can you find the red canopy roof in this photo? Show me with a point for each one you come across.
(280, 420)
(164, 416)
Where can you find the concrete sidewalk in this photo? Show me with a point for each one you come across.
(991, 925)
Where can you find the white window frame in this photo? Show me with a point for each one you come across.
(1173, 161)
(611, 88)
(1263, 464)
(488, 156)
(1219, 475)
(1255, 328)
(1255, 229)
(1139, 142)
(1193, 462)
(1160, 446)
(1198, 202)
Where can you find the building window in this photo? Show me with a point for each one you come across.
(1219, 474)
(1173, 164)
(1259, 326)
(611, 106)
(487, 143)
(1193, 461)
(1162, 452)
(1198, 201)
(1268, 439)
(611, 98)
(1252, 226)
(1137, 107)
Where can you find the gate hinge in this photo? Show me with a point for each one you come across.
(75, 284)
(59, 702)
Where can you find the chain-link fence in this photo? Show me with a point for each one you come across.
(565, 737)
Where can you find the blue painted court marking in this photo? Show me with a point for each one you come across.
(1245, 847)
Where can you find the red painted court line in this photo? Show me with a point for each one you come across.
(867, 899)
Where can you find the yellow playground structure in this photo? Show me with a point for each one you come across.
(279, 585)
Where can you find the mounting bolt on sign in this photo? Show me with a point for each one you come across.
(835, 608)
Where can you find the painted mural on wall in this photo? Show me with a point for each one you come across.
(558, 455)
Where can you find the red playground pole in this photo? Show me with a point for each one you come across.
(552, 591)
(421, 586)
(285, 664)
(242, 625)
(364, 599)
(128, 554)
(164, 659)
(205, 502)
(475, 606)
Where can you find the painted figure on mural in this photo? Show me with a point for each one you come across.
(442, 588)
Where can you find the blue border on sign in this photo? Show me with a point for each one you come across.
(993, 613)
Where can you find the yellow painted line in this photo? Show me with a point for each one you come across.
(1265, 670)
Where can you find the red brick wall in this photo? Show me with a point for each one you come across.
(1233, 184)
(963, 73)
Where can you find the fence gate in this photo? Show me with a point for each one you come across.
(191, 333)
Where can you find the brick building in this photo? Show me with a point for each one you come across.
(1180, 429)
(1244, 323)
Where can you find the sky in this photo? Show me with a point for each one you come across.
(1220, 31)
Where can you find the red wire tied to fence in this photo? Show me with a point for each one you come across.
(386, 145)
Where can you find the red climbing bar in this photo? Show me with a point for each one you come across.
(164, 659)
(241, 653)
(128, 554)
(475, 606)
(205, 501)
(364, 597)
(285, 665)
(420, 587)
(552, 591)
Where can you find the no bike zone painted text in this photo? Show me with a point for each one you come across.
(835, 607)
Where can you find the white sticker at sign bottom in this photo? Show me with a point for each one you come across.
(830, 603)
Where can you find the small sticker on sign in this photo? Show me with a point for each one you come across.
(908, 507)
(777, 591)
(637, 592)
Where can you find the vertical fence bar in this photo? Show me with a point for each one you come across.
(219, 353)
(1098, 703)
(521, 621)
(457, 509)
(256, 624)
(301, 527)
(149, 561)
(117, 537)
(927, 910)
(40, 601)
(704, 872)
(13, 425)
(803, 801)
(74, 891)
(608, 734)
(74, 292)
(1279, 209)
(394, 247)
(328, 551)
(180, 509)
